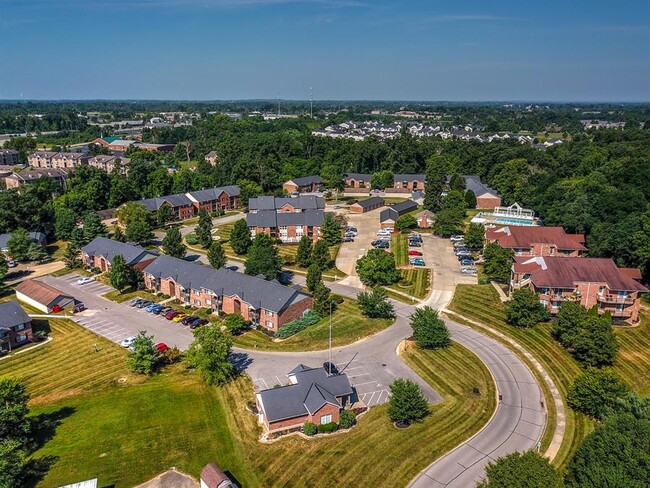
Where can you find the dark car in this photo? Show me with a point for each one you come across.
(415, 244)
(467, 262)
(79, 307)
(330, 368)
(197, 323)
(144, 303)
(348, 239)
(188, 319)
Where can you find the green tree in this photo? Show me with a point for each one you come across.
(378, 268)
(12, 462)
(118, 234)
(173, 243)
(457, 182)
(436, 174)
(382, 179)
(249, 189)
(524, 309)
(375, 304)
(447, 223)
(216, 255)
(303, 254)
(331, 230)
(77, 238)
(314, 275)
(347, 419)
(322, 299)
(405, 222)
(18, 244)
(93, 226)
(209, 354)
(470, 199)
(475, 237)
(163, 215)
(37, 253)
(119, 273)
(263, 258)
(14, 410)
(240, 237)
(143, 356)
(71, 257)
(429, 330)
(4, 269)
(596, 392)
(498, 262)
(139, 231)
(320, 255)
(204, 229)
(521, 469)
(407, 403)
(236, 323)
(65, 221)
(130, 212)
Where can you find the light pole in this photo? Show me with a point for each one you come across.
(329, 351)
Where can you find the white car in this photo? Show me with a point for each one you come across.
(469, 271)
(85, 279)
(457, 238)
(127, 342)
(383, 232)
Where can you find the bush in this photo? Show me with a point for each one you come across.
(328, 428)
(172, 355)
(297, 325)
(310, 429)
(407, 403)
(524, 309)
(375, 304)
(429, 330)
(191, 239)
(595, 392)
(347, 419)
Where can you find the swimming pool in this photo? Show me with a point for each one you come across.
(500, 220)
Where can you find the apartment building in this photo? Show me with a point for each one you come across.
(8, 157)
(101, 251)
(286, 219)
(109, 163)
(530, 241)
(60, 160)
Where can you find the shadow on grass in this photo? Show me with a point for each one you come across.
(35, 470)
(43, 426)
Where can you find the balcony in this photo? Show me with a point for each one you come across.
(606, 298)
(566, 298)
(627, 313)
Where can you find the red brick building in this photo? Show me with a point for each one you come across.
(15, 326)
(214, 199)
(266, 303)
(589, 281)
(101, 251)
(537, 241)
(60, 160)
(307, 184)
(286, 219)
(367, 205)
(409, 182)
(310, 396)
(357, 180)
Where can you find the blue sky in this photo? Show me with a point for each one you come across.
(344, 49)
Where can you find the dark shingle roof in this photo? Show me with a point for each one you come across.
(12, 314)
(108, 248)
(370, 202)
(302, 202)
(210, 194)
(408, 177)
(358, 176)
(312, 390)
(271, 218)
(38, 237)
(307, 180)
(392, 213)
(256, 291)
(473, 182)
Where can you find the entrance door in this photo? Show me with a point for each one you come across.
(237, 306)
(172, 289)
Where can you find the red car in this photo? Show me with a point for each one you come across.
(171, 314)
(415, 253)
(161, 347)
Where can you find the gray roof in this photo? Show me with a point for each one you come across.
(178, 200)
(214, 193)
(358, 176)
(393, 212)
(473, 182)
(271, 218)
(258, 292)
(370, 202)
(12, 314)
(408, 177)
(35, 236)
(108, 248)
(307, 180)
(312, 390)
(303, 202)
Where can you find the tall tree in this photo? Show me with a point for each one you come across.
(163, 215)
(12, 462)
(475, 237)
(470, 199)
(216, 255)
(331, 230)
(375, 304)
(498, 262)
(521, 469)
(119, 273)
(173, 243)
(429, 330)
(4, 269)
(139, 231)
(382, 179)
(240, 237)
(204, 229)
(314, 275)
(320, 255)
(132, 211)
(93, 226)
(71, 256)
(322, 299)
(436, 174)
(378, 268)
(209, 353)
(65, 222)
(14, 410)
(263, 258)
(596, 392)
(143, 356)
(407, 403)
(303, 254)
(18, 244)
(524, 309)
(118, 234)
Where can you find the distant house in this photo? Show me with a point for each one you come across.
(357, 180)
(99, 253)
(15, 326)
(409, 181)
(212, 158)
(486, 197)
(425, 219)
(180, 205)
(37, 237)
(311, 396)
(109, 163)
(214, 199)
(29, 176)
(589, 281)
(287, 219)
(367, 205)
(267, 303)
(537, 241)
(8, 157)
(43, 297)
(162, 148)
(388, 217)
(307, 184)
(213, 477)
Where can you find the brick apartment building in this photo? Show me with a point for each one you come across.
(409, 182)
(267, 303)
(29, 176)
(531, 241)
(589, 281)
(8, 157)
(486, 197)
(109, 163)
(307, 184)
(186, 205)
(101, 251)
(60, 160)
(15, 326)
(388, 217)
(286, 219)
(310, 396)
(357, 180)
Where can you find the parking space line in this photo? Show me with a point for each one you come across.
(356, 385)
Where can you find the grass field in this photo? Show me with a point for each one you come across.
(420, 279)
(399, 247)
(633, 363)
(348, 326)
(481, 303)
(118, 297)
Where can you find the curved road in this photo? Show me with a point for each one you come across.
(518, 421)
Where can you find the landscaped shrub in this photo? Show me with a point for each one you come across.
(191, 239)
(297, 325)
(310, 429)
(347, 419)
(328, 428)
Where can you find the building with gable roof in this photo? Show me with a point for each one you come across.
(537, 241)
(99, 253)
(306, 184)
(15, 326)
(285, 218)
(388, 217)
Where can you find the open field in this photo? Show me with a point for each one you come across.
(348, 326)
(633, 362)
(481, 303)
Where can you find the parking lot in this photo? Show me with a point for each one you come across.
(367, 225)
(117, 321)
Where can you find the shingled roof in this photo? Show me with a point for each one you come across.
(524, 237)
(306, 180)
(108, 248)
(302, 202)
(12, 314)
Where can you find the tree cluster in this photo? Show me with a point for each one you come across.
(524, 309)
(377, 267)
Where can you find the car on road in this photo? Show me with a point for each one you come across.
(161, 347)
(330, 368)
(171, 314)
(457, 238)
(85, 280)
(144, 304)
(469, 271)
(413, 252)
(348, 239)
(467, 262)
(179, 317)
(197, 322)
(128, 342)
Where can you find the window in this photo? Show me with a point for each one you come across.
(21, 337)
(208, 302)
(269, 324)
(544, 302)
(197, 292)
(20, 327)
(283, 228)
(325, 419)
(269, 313)
(197, 303)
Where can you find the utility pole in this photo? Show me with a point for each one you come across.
(329, 351)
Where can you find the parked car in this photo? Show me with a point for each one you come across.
(135, 301)
(79, 307)
(467, 262)
(413, 252)
(383, 232)
(11, 264)
(197, 322)
(161, 347)
(457, 238)
(469, 271)
(348, 239)
(144, 304)
(380, 244)
(84, 280)
(171, 314)
(151, 307)
(417, 262)
(179, 317)
(330, 368)
(389, 229)
(351, 229)
(415, 244)
(187, 319)
(163, 311)
(415, 237)
(127, 342)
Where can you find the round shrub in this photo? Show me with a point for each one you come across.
(328, 428)
(310, 429)
(347, 419)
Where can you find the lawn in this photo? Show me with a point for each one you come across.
(419, 279)
(481, 303)
(125, 434)
(400, 248)
(348, 326)
(633, 362)
(117, 297)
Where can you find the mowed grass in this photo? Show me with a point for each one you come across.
(399, 247)
(481, 303)
(419, 279)
(348, 326)
(633, 362)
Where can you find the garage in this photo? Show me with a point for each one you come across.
(43, 297)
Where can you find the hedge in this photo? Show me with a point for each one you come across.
(297, 325)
